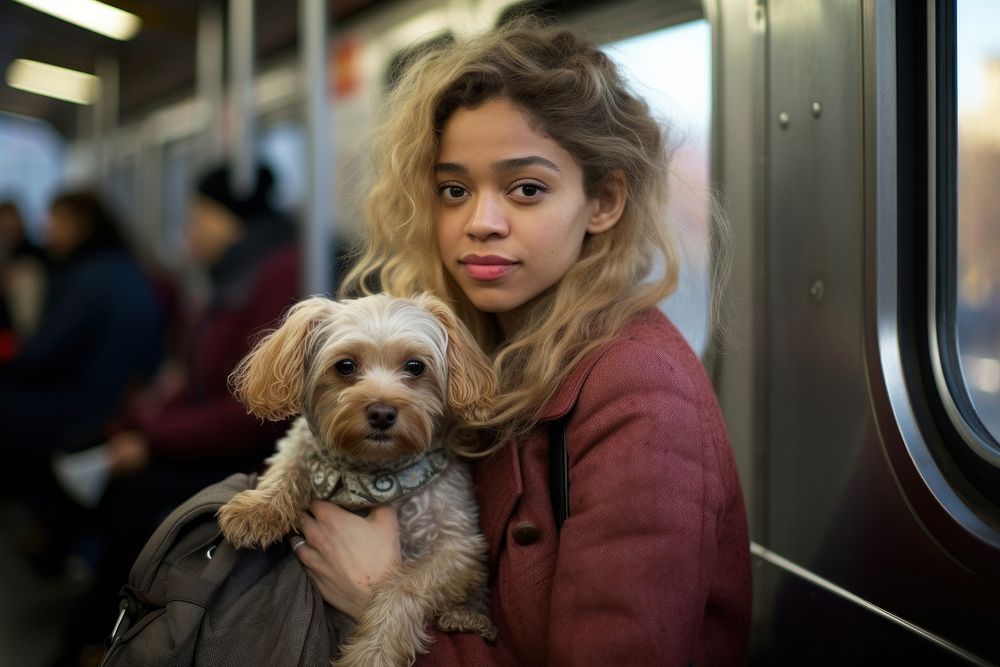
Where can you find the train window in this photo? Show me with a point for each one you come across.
(31, 167)
(283, 147)
(977, 283)
(672, 69)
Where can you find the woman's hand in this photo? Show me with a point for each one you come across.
(347, 554)
(128, 453)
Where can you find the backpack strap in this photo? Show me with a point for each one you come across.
(135, 597)
(558, 472)
(206, 501)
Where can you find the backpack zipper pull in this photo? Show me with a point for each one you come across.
(121, 615)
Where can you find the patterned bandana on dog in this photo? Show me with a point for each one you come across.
(356, 485)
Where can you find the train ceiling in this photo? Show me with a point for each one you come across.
(155, 66)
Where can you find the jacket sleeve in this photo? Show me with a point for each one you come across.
(218, 426)
(629, 584)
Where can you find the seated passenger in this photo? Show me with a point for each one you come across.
(249, 252)
(100, 333)
(179, 440)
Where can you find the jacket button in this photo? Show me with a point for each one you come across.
(525, 532)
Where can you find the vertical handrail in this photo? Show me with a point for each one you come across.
(241, 95)
(317, 273)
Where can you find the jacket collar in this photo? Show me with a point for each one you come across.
(498, 477)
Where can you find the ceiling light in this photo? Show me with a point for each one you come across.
(59, 82)
(92, 15)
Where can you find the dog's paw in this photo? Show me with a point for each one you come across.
(366, 657)
(250, 519)
(466, 619)
(390, 632)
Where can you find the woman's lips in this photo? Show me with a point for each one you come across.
(490, 267)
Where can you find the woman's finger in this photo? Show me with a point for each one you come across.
(384, 515)
(308, 555)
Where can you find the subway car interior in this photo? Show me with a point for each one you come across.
(833, 183)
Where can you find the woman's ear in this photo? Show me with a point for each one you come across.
(609, 202)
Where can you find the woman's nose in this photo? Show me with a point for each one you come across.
(488, 219)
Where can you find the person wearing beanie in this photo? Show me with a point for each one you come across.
(248, 251)
(177, 441)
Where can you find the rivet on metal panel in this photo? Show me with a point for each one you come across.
(783, 119)
(816, 291)
(817, 110)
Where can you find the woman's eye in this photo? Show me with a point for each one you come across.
(451, 192)
(528, 190)
(346, 367)
(414, 367)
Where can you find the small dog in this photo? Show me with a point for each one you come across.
(378, 381)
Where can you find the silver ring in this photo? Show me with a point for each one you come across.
(296, 545)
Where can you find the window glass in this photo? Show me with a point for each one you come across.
(672, 70)
(978, 266)
(283, 147)
(31, 168)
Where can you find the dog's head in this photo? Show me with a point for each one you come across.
(375, 376)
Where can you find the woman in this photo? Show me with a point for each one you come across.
(98, 340)
(249, 252)
(195, 432)
(536, 181)
(182, 438)
(99, 337)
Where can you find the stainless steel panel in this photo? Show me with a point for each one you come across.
(833, 505)
(737, 164)
(817, 404)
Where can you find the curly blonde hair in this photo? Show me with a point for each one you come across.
(572, 92)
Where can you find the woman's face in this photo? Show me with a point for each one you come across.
(511, 210)
(211, 230)
(64, 233)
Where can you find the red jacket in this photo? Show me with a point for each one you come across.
(205, 421)
(652, 566)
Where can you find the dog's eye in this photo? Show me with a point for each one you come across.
(414, 367)
(346, 367)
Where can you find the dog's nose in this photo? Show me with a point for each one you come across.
(381, 416)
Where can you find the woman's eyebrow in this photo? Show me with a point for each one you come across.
(511, 164)
(508, 164)
(451, 168)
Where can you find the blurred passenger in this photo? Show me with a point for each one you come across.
(99, 336)
(22, 281)
(249, 252)
(199, 433)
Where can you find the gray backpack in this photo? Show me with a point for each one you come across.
(192, 599)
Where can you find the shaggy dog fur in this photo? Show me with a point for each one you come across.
(377, 380)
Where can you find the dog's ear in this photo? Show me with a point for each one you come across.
(472, 383)
(269, 380)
